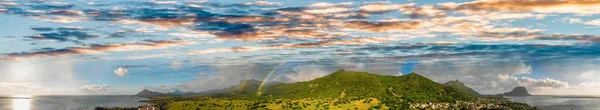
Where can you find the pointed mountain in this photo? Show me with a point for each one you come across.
(412, 87)
(459, 85)
(148, 93)
(517, 91)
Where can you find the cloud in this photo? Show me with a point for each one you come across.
(98, 48)
(327, 10)
(42, 29)
(150, 56)
(67, 12)
(384, 26)
(162, 22)
(573, 20)
(94, 88)
(484, 76)
(359, 41)
(8, 3)
(595, 22)
(381, 8)
(121, 71)
(163, 2)
(443, 43)
(540, 6)
(64, 34)
(262, 3)
(329, 5)
(302, 73)
(61, 19)
(546, 82)
(425, 11)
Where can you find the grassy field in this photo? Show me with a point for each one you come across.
(277, 104)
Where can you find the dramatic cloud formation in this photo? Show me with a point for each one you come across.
(490, 45)
(541, 6)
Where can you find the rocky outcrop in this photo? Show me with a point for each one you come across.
(517, 91)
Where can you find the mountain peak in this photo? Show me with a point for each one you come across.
(454, 82)
(517, 91)
(414, 75)
(459, 85)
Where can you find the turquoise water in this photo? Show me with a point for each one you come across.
(68, 102)
(560, 102)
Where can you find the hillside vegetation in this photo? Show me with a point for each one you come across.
(459, 85)
(339, 90)
(350, 84)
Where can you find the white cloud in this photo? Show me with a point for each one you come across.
(150, 56)
(378, 7)
(121, 71)
(540, 83)
(61, 19)
(486, 77)
(262, 3)
(573, 20)
(94, 88)
(8, 3)
(303, 73)
(593, 22)
(329, 5)
(327, 10)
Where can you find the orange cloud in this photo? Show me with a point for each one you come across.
(384, 26)
(360, 41)
(542, 6)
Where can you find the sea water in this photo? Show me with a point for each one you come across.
(68, 102)
(560, 102)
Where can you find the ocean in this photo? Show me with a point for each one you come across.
(68, 102)
(560, 102)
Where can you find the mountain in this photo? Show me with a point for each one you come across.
(517, 91)
(459, 85)
(411, 87)
(148, 93)
(177, 92)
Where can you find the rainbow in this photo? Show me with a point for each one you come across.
(243, 84)
(267, 78)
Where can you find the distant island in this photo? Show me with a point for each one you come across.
(339, 90)
(517, 91)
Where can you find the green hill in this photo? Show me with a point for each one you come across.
(340, 90)
(459, 85)
(350, 84)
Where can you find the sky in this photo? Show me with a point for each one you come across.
(117, 47)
